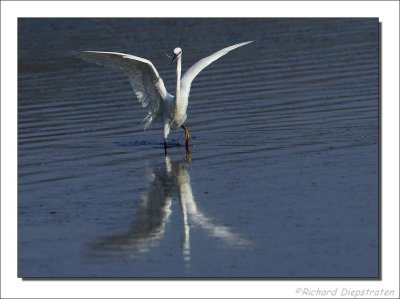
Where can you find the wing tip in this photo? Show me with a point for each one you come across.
(241, 44)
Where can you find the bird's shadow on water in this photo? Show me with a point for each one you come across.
(167, 181)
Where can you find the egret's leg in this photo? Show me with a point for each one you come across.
(188, 157)
(187, 135)
(166, 133)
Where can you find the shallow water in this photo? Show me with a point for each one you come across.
(283, 178)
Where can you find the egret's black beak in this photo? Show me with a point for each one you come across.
(173, 58)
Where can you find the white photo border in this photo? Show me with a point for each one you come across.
(13, 287)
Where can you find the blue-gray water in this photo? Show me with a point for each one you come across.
(284, 174)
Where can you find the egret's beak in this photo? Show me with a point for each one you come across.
(173, 58)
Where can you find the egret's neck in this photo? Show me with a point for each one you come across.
(178, 79)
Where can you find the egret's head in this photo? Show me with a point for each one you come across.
(177, 53)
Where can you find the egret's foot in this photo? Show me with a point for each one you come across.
(188, 157)
(187, 137)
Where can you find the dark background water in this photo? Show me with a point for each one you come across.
(284, 174)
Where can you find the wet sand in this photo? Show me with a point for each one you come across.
(283, 178)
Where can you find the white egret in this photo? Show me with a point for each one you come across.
(150, 90)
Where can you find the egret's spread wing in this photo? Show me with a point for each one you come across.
(148, 86)
(195, 69)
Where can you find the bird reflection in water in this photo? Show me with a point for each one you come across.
(168, 181)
